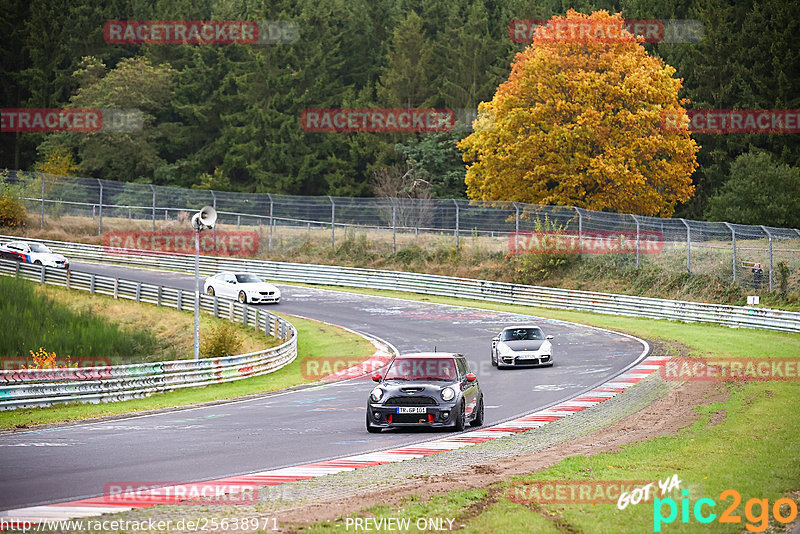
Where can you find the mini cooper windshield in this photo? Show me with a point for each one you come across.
(422, 369)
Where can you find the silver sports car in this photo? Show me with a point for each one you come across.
(524, 345)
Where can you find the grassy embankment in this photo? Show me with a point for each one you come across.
(750, 443)
(81, 325)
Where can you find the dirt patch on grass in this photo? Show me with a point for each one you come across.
(643, 425)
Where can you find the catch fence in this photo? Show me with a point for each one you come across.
(729, 251)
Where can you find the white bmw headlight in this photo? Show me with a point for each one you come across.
(448, 394)
(376, 395)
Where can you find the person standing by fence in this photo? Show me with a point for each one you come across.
(758, 274)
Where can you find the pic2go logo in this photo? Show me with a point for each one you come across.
(756, 523)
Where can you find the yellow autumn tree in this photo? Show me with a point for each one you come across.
(58, 161)
(579, 122)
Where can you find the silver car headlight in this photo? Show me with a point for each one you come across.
(448, 394)
(504, 350)
(376, 395)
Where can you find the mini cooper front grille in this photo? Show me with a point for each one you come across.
(410, 418)
(411, 401)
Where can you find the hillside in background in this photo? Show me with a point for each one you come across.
(228, 116)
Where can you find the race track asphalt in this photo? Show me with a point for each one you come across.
(287, 428)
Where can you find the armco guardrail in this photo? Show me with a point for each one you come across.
(734, 316)
(44, 387)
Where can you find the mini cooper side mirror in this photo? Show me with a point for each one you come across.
(549, 337)
(376, 378)
(471, 377)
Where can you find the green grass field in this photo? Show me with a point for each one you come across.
(33, 319)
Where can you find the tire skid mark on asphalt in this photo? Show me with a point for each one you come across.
(100, 505)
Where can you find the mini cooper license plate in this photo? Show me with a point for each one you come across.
(420, 409)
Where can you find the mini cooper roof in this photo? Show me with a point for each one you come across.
(429, 355)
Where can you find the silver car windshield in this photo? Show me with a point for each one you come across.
(247, 279)
(522, 334)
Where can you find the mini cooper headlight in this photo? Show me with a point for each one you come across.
(376, 394)
(448, 394)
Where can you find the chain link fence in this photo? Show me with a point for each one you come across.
(759, 257)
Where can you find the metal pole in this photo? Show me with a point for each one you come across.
(213, 205)
(100, 220)
(197, 294)
(333, 222)
(637, 238)
(580, 230)
(271, 223)
(516, 228)
(688, 246)
(457, 236)
(394, 225)
(153, 189)
(769, 235)
(42, 222)
(733, 242)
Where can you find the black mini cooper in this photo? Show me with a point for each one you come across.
(431, 389)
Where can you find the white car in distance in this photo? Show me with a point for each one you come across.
(247, 288)
(522, 345)
(36, 253)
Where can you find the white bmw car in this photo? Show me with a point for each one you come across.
(524, 345)
(247, 288)
(33, 253)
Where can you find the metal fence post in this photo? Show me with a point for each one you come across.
(100, 220)
(688, 246)
(733, 246)
(333, 222)
(394, 225)
(153, 189)
(769, 235)
(457, 222)
(516, 228)
(271, 223)
(580, 229)
(637, 238)
(213, 205)
(42, 217)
